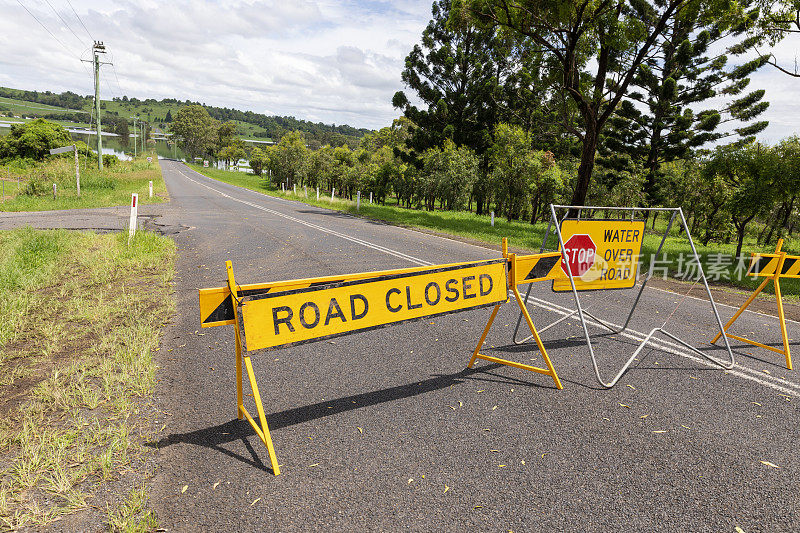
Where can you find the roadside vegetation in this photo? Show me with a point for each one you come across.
(28, 171)
(80, 316)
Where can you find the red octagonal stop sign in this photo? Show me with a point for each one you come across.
(579, 250)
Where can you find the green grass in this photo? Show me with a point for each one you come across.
(111, 187)
(80, 315)
(521, 235)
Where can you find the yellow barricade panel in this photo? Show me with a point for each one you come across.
(216, 307)
(289, 317)
(602, 254)
(538, 267)
(765, 265)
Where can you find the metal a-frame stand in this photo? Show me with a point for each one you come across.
(582, 313)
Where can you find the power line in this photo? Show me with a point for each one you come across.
(65, 22)
(79, 20)
(48, 31)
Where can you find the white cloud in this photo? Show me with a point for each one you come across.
(323, 60)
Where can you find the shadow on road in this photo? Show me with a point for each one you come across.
(215, 436)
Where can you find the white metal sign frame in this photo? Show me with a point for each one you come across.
(583, 313)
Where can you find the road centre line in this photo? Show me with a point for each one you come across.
(544, 304)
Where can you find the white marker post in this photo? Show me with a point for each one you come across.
(358, 201)
(151, 189)
(282, 190)
(134, 214)
(71, 148)
(332, 193)
(370, 196)
(77, 170)
(492, 218)
(305, 191)
(294, 189)
(318, 194)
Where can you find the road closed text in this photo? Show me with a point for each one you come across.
(303, 315)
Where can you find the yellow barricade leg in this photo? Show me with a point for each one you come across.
(549, 371)
(782, 318)
(263, 430)
(742, 308)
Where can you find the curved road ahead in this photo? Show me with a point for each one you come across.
(386, 431)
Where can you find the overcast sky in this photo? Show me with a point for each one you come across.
(330, 61)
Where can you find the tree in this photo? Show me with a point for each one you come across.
(288, 159)
(455, 73)
(750, 173)
(258, 160)
(226, 134)
(524, 178)
(168, 118)
(33, 140)
(657, 122)
(596, 48)
(197, 130)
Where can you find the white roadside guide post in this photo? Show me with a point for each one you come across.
(134, 214)
(294, 189)
(305, 191)
(358, 201)
(63, 149)
(370, 196)
(332, 193)
(77, 170)
(492, 218)
(318, 194)
(151, 189)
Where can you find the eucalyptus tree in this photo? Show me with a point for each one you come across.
(596, 48)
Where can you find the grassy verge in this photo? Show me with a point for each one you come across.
(32, 189)
(80, 314)
(529, 236)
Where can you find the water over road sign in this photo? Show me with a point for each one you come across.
(602, 254)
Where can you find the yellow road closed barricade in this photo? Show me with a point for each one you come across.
(286, 313)
(773, 267)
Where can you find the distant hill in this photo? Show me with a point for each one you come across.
(77, 108)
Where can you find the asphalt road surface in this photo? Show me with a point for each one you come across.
(386, 431)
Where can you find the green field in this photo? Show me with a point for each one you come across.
(524, 236)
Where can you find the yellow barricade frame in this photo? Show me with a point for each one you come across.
(776, 270)
(243, 362)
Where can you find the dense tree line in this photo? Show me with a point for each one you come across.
(275, 127)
